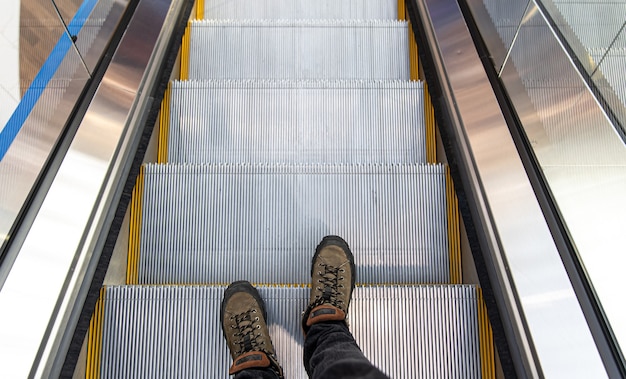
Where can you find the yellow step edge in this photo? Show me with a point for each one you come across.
(132, 269)
(94, 341)
(164, 125)
(184, 53)
(401, 10)
(429, 118)
(487, 349)
(454, 234)
(199, 9)
(413, 55)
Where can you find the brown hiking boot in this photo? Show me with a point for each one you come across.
(332, 282)
(243, 318)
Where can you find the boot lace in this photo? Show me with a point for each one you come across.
(329, 289)
(248, 336)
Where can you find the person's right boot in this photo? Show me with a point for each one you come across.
(332, 283)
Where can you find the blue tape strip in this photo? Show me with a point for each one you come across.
(47, 71)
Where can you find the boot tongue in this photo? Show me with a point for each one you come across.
(247, 343)
(328, 293)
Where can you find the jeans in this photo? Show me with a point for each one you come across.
(329, 352)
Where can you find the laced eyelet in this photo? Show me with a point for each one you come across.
(256, 319)
(258, 326)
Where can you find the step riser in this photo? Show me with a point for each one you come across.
(296, 122)
(306, 50)
(217, 224)
(302, 9)
(164, 332)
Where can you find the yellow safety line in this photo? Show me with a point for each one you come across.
(184, 53)
(429, 118)
(132, 270)
(401, 10)
(164, 125)
(454, 234)
(413, 55)
(199, 9)
(94, 342)
(487, 350)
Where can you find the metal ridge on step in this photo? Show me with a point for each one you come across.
(426, 331)
(304, 23)
(290, 9)
(204, 223)
(295, 121)
(297, 49)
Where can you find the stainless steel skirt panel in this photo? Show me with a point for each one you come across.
(409, 332)
(220, 223)
(296, 122)
(302, 9)
(307, 49)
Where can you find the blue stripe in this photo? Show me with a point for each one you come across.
(47, 71)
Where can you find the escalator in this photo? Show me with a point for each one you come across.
(292, 122)
(285, 121)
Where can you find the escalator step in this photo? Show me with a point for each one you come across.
(279, 49)
(296, 122)
(302, 9)
(219, 223)
(409, 332)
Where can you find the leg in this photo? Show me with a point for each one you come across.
(253, 373)
(243, 323)
(330, 351)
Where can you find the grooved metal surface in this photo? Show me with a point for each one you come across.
(279, 49)
(302, 9)
(220, 223)
(409, 332)
(297, 122)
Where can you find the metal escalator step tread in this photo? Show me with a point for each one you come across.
(282, 49)
(219, 223)
(302, 9)
(318, 121)
(408, 332)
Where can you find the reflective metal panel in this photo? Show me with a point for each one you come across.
(498, 22)
(47, 279)
(595, 31)
(581, 156)
(546, 319)
(41, 117)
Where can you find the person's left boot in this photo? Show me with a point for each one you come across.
(243, 320)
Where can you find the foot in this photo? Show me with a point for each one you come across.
(243, 323)
(332, 282)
